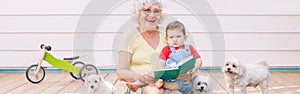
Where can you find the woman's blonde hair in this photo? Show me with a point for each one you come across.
(139, 4)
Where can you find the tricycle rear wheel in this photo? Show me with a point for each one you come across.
(79, 65)
(87, 70)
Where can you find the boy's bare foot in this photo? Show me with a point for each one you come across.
(134, 86)
(159, 83)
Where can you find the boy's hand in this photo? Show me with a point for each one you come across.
(193, 71)
(185, 77)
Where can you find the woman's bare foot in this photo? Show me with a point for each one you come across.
(150, 89)
(134, 86)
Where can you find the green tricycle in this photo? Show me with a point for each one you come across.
(78, 70)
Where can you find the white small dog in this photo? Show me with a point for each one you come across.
(95, 84)
(202, 85)
(240, 75)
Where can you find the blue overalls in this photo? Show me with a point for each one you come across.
(177, 56)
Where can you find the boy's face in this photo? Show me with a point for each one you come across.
(175, 38)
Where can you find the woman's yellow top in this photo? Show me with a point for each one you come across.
(144, 57)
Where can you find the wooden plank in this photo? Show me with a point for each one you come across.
(104, 75)
(9, 77)
(218, 78)
(81, 89)
(289, 84)
(59, 85)
(18, 80)
(29, 86)
(112, 78)
(48, 82)
(279, 83)
(4, 76)
(71, 88)
(294, 77)
(120, 86)
(273, 84)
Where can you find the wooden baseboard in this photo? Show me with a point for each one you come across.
(115, 67)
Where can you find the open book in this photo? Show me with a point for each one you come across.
(183, 66)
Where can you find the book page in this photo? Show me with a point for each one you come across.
(184, 61)
(166, 69)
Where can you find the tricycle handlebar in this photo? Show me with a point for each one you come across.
(48, 48)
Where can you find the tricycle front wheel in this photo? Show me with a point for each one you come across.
(79, 65)
(35, 78)
(87, 70)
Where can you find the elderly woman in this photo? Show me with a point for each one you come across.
(141, 46)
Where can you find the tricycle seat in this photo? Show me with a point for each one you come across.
(71, 58)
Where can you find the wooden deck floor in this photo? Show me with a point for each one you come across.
(61, 83)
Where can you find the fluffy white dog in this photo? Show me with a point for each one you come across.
(240, 75)
(95, 84)
(202, 85)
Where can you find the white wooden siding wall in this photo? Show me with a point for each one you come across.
(253, 29)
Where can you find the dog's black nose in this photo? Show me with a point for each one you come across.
(228, 69)
(92, 87)
(200, 90)
(202, 87)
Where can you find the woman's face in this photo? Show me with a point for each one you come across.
(149, 17)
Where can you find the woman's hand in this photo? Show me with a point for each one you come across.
(148, 78)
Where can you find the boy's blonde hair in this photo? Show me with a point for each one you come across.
(175, 25)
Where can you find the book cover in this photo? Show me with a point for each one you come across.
(184, 66)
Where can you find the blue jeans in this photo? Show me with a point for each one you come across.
(185, 88)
